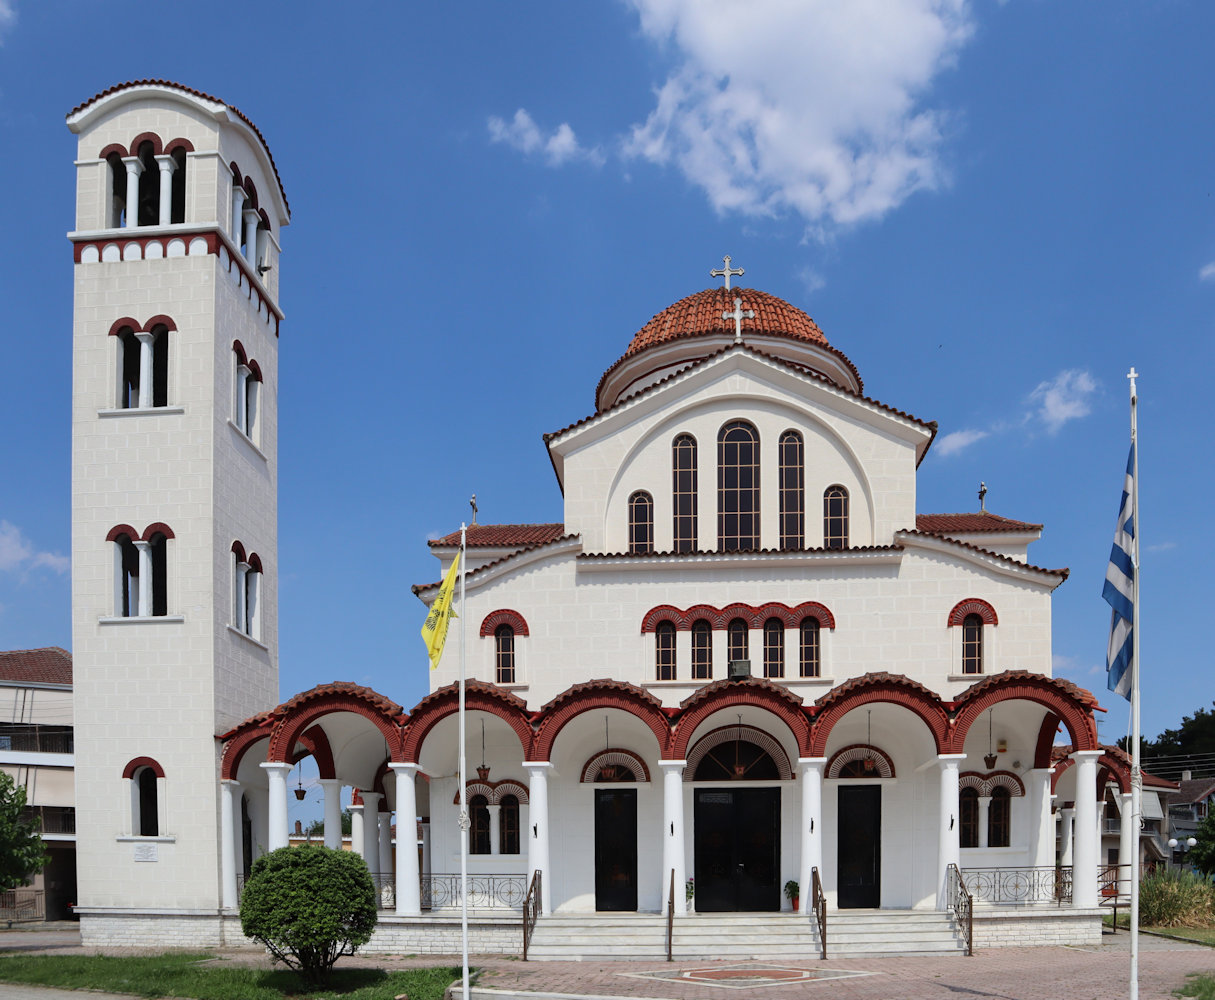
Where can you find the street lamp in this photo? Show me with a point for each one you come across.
(1183, 845)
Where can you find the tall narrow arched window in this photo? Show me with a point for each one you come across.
(792, 491)
(641, 522)
(177, 200)
(126, 577)
(478, 831)
(128, 369)
(116, 213)
(835, 517)
(664, 652)
(810, 654)
(159, 551)
(504, 654)
(968, 806)
(149, 185)
(143, 367)
(737, 487)
(774, 648)
(702, 650)
(999, 817)
(683, 491)
(508, 825)
(972, 645)
(149, 806)
(736, 640)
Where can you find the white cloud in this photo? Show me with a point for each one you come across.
(1208, 272)
(1063, 398)
(16, 553)
(811, 108)
(956, 441)
(1161, 547)
(559, 146)
(812, 280)
(8, 17)
(1070, 666)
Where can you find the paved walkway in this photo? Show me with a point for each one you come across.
(994, 974)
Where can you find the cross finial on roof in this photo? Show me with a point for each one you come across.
(982, 496)
(738, 315)
(473, 504)
(727, 271)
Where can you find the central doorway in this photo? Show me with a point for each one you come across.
(737, 844)
(859, 853)
(615, 848)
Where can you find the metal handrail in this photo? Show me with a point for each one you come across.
(532, 908)
(671, 916)
(963, 906)
(819, 906)
(1019, 886)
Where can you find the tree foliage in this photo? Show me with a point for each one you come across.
(309, 906)
(1193, 738)
(317, 827)
(1202, 856)
(22, 853)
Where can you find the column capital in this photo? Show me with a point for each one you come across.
(280, 766)
(145, 336)
(371, 798)
(538, 766)
(406, 767)
(143, 545)
(1084, 755)
(946, 760)
(329, 782)
(133, 164)
(229, 783)
(166, 162)
(250, 215)
(672, 765)
(811, 763)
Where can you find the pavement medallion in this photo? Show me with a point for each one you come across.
(745, 976)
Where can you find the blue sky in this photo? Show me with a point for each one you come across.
(994, 209)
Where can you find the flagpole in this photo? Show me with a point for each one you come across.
(464, 821)
(1136, 773)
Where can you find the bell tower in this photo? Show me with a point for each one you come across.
(179, 210)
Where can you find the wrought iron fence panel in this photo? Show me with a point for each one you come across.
(443, 890)
(1019, 885)
(21, 905)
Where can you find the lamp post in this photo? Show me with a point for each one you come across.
(1181, 846)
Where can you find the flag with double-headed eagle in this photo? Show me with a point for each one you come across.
(434, 629)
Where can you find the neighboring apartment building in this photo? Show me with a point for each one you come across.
(37, 749)
(1193, 802)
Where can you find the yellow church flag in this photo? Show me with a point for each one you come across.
(434, 629)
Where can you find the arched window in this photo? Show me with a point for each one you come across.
(810, 653)
(702, 650)
(737, 760)
(246, 591)
(126, 577)
(835, 517)
(142, 774)
(177, 198)
(774, 648)
(247, 381)
(116, 213)
(641, 522)
(736, 640)
(508, 825)
(158, 546)
(792, 491)
(737, 487)
(999, 817)
(968, 806)
(664, 651)
(504, 654)
(683, 491)
(972, 645)
(140, 573)
(478, 832)
(143, 367)
(149, 185)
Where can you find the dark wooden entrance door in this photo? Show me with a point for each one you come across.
(859, 857)
(615, 848)
(737, 844)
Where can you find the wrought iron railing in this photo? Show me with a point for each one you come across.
(818, 906)
(19, 905)
(532, 907)
(1018, 886)
(53, 819)
(32, 738)
(671, 918)
(443, 890)
(963, 906)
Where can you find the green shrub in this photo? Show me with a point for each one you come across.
(1174, 898)
(309, 906)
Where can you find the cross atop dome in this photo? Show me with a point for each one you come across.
(727, 271)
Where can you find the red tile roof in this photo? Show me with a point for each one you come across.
(418, 588)
(981, 522)
(494, 536)
(1195, 790)
(1063, 571)
(49, 665)
(1061, 751)
(197, 93)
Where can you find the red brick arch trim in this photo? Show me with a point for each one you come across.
(113, 149)
(753, 615)
(504, 616)
(119, 530)
(175, 144)
(157, 527)
(755, 692)
(599, 694)
(973, 606)
(255, 562)
(299, 715)
(251, 191)
(985, 784)
(874, 688)
(160, 320)
(1046, 740)
(139, 762)
(314, 742)
(768, 743)
(152, 137)
(1072, 704)
(238, 179)
(238, 550)
(255, 371)
(238, 742)
(1060, 767)
(1111, 769)
(859, 751)
(494, 791)
(239, 350)
(614, 757)
(126, 323)
(478, 697)
(664, 613)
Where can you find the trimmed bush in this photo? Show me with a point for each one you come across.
(309, 906)
(1171, 897)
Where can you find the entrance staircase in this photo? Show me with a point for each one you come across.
(739, 936)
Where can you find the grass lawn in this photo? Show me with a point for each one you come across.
(186, 976)
(1200, 987)
(1201, 935)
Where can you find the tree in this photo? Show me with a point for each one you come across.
(309, 906)
(1195, 737)
(317, 827)
(22, 853)
(1202, 855)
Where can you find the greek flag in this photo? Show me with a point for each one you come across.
(1119, 589)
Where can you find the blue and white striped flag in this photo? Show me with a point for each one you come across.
(1119, 589)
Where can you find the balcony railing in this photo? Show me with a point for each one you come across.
(489, 891)
(36, 739)
(53, 819)
(1018, 886)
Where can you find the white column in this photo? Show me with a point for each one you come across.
(409, 899)
(146, 375)
(229, 797)
(984, 811)
(1084, 862)
(672, 834)
(537, 840)
(145, 578)
(948, 843)
(811, 781)
(1041, 829)
(385, 822)
(358, 840)
(251, 221)
(134, 169)
(238, 213)
(495, 833)
(1065, 837)
(1127, 845)
(276, 803)
(167, 165)
(332, 790)
(371, 831)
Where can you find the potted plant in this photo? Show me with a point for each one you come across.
(793, 893)
(689, 892)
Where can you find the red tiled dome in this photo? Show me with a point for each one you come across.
(700, 314)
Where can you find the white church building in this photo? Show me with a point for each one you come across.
(744, 658)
